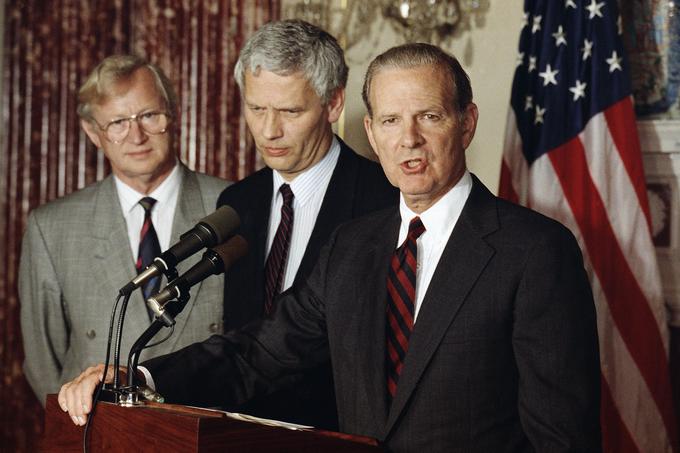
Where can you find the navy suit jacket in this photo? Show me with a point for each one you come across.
(358, 186)
(503, 356)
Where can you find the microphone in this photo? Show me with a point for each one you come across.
(210, 230)
(214, 261)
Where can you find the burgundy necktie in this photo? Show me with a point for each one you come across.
(401, 296)
(275, 266)
(149, 247)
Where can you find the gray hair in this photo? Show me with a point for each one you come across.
(116, 68)
(413, 55)
(289, 46)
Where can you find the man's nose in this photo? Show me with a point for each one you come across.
(136, 134)
(272, 125)
(410, 134)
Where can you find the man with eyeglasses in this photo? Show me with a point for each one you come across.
(80, 249)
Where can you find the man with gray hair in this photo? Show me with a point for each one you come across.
(80, 249)
(292, 77)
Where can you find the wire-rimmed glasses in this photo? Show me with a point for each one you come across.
(153, 122)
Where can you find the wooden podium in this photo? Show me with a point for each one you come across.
(171, 428)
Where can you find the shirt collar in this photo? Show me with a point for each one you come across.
(129, 197)
(438, 217)
(306, 183)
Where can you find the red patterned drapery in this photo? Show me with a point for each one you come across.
(48, 49)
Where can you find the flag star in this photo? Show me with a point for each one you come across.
(539, 114)
(587, 49)
(532, 63)
(579, 90)
(614, 62)
(594, 9)
(570, 4)
(525, 19)
(528, 103)
(520, 59)
(549, 76)
(537, 24)
(560, 36)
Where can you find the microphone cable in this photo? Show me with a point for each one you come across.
(97, 394)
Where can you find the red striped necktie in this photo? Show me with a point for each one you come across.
(401, 296)
(149, 247)
(278, 255)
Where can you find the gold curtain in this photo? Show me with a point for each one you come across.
(49, 47)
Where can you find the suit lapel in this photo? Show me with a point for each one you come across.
(113, 257)
(336, 207)
(371, 296)
(465, 256)
(188, 212)
(257, 228)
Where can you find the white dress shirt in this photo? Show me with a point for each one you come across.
(309, 189)
(162, 214)
(439, 220)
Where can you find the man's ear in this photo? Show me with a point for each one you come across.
(469, 125)
(91, 131)
(335, 105)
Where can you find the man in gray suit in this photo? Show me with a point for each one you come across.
(80, 249)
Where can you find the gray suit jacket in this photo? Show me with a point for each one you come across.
(76, 256)
(503, 356)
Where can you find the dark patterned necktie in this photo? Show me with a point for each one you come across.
(278, 255)
(401, 296)
(149, 247)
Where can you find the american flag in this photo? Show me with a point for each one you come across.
(572, 152)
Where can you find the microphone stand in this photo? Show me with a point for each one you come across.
(129, 395)
(115, 389)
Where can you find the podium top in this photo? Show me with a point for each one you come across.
(157, 427)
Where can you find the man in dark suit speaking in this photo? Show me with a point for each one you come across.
(455, 322)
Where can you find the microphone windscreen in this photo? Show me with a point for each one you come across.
(222, 223)
(232, 250)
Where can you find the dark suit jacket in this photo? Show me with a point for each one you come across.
(503, 356)
(358, 186)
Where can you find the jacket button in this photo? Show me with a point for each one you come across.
(214, 327)
(91, 334)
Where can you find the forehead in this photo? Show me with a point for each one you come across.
(131, 94)
(268, 88)
(417, 86)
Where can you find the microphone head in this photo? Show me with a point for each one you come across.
(222, 223)
(232, 250)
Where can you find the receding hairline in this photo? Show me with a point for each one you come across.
(122, 84)
(105, 80)
(435, 67)
(415, 55)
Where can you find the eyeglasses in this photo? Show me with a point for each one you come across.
(153, 123)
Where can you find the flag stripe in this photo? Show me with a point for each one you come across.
(610, 174)
(630, 311)
(615, 435)
(626, 386)
(514, 160)
(506, 187)
(624, 133)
